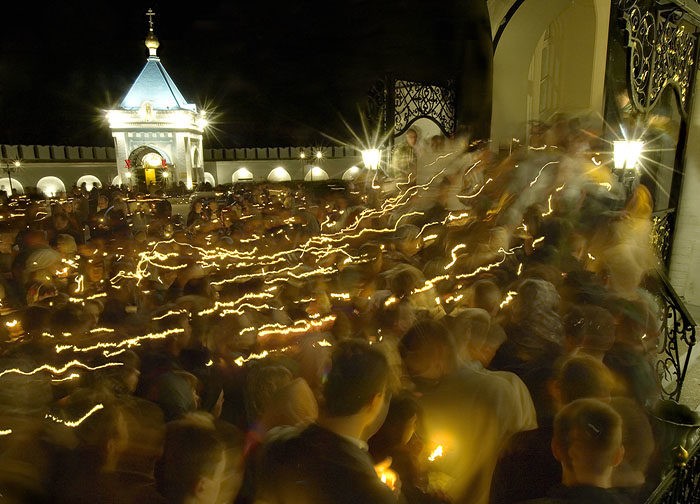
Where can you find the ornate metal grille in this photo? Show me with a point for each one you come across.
(676, 338)
(661, 53)
(662, 233)
(376, 105)
(396, 104)
(682, 485)
(413, 100)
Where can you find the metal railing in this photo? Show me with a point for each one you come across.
(681, 485)
(676, 336)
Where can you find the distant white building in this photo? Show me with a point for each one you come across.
(157, 133)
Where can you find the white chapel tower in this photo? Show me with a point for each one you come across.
(157, 134)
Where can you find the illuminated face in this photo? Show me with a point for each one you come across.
(411, 137)
(94, 272)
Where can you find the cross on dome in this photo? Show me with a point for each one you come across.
(150, 15)
(151, 41)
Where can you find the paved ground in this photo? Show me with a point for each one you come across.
(691, 386)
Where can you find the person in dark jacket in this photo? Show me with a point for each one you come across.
(328, 462)
(587, 443)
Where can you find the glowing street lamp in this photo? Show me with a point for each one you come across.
(371, 158)
(11, 168)
(627, 154)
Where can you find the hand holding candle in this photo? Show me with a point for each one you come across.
(388, 477)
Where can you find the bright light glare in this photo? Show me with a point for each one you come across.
(627, 153)
(371, 158)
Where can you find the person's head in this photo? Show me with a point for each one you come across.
(292, 404)
(103, 436)
(487, 295)
(66, 246)
(638, 440)
(587, 442)
(589, 328)
(94, 269)
(102, 202)
(407, 239)
(411, 137)
(60, 221)
(583, 376)
(191, 468)
(428, 350)
(474, 336)
(398, 427)
(262, 383)
(356, 382)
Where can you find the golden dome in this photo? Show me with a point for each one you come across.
(152, 43)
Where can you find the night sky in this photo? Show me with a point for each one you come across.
(273, 73)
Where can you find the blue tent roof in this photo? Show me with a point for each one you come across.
(155, 85)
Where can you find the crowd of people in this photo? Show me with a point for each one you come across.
(485, 337)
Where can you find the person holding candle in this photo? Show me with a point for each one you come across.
(327, 462)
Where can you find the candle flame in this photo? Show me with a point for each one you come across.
(437, 453)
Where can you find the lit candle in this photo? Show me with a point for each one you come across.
(436, 454)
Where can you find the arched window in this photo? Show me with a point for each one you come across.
(242, 175)
(279, 174)
(50, 186)
(16, 186)
(351, 173)
(90, 180)
(208, 177)
(316, 173)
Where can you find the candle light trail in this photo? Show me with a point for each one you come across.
(77, 422)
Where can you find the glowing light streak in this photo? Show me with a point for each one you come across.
(534, 181)
(590, 256)
(135, 341)
(470, 196)
(77, 422)
(537, 241)
(101, 329)
(453, 253)
(71, 376)
(170, 313)
(509, 297)
(482, 269)
(5, 432)
(61, 370)
(458, 216)
(520, 269)
(454, 299)
(12, 323)
(390, 301)
(550, 209)
(239, 361)
(298, 327)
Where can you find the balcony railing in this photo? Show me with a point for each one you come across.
(681, 485)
